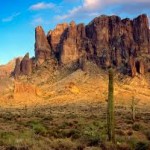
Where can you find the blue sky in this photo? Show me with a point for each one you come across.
(18, 19)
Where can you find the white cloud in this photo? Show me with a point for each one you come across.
(84, 9)
(91, 4)
(92, 7)
(10, 18)
(37, 21)
(41, 6)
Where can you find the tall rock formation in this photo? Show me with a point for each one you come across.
(42, 47)
(69, 52)
(17, 68)
(108, 41)
(26, 65)
(23, 67)
(55, 37)
(141, 33)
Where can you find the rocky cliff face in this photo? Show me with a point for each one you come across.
(42, 47)
(109, 41)
(23, 67)
(7, 69)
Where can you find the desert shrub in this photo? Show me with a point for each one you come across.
(16, 148)
(147, 133)
(64, 133)
(54, 132)
(132, 142)
(128, 121)
(92, 135)
(65, 125)
(120, 132)
(72, 133)
(130, 132)
(123, 146)
(120, 140)
(92, 148)
(19, 140)
(137, 127)
(47, 118)
(142, 146)
(6, 135)
(37, 127)
(108, 146)
(63, 144)
(6, 138)
(8, 116)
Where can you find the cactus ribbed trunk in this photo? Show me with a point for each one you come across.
(110, 111)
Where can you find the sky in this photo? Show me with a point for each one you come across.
(18, 19)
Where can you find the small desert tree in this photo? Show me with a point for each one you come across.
(110, 109)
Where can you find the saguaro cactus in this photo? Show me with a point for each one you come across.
(110, 111)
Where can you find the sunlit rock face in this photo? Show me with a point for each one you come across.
(17, 68)
(55, 37)
(108, 41)
(23, 67)
(42, 47)
(120, 43)
(26, 65)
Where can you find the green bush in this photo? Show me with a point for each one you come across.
(92, 135)
(7, 138)
(37, 127)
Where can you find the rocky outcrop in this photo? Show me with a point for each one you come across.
(42, 47)
(133, 66)
(17, 68)
(108, 41)
(63, 41)
(26, 65)
(23, 67)
(69, 51)
(141, 33)
(55, 37)
(7, 69)
(115, 41)
(21, 88)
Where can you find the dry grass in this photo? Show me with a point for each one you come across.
(70, 127)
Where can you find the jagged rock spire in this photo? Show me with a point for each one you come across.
(42, 47)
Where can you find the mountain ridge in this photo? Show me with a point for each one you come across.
(108, 41)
